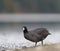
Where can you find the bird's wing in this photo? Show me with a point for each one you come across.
(40, 31)
(34, 34)
(33, 37)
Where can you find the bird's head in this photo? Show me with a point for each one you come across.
(25, 29)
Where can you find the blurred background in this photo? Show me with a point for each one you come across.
(29, 6)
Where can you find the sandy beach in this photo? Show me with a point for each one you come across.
(46, 47)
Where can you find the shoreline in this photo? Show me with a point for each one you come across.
(45, 47)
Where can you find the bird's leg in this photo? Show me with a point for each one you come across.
(35, 43)
(42, 42)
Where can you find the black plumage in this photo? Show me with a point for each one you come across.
(36, 35)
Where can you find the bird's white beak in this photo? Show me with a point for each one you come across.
(23, 28)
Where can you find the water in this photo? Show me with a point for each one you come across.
(11, 34)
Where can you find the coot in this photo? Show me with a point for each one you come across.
(35, 35)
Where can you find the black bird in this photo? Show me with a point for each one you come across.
(36, 35)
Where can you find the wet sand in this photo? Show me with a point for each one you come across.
(46, 47)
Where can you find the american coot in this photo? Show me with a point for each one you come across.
(36, 35)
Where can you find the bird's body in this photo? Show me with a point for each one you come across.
(36, 35)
